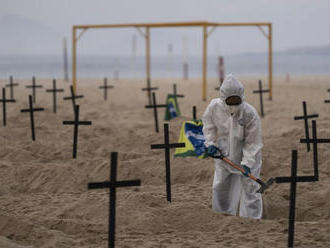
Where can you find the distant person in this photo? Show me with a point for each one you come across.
(233, 126)
(287, 77)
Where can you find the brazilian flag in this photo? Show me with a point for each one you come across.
(192, 135)
(172, 109)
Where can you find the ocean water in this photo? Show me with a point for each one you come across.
(162, 66)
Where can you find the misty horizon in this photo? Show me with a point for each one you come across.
(32, 35)
(38, 27)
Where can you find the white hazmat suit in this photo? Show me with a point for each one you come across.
(236, 130)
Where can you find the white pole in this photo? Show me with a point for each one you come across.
(185, 57)
(65, 60)
(170, 60)
(116, 69)
(133, 56)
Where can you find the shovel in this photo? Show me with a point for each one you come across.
(263, 185)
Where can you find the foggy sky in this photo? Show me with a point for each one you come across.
(296, 23)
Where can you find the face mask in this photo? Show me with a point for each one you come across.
(233, 109)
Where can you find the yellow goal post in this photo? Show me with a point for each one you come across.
(208, 28)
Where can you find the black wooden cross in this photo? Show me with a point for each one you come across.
(76, 124)
(112, 185)
(167, 147)
(11, 85)
(4, 100)
(105, 87)
(33, 87)
(149, 89)
(155, 106)
(260, 92)
(54, 90)
(315, 141)
(32, 110)
(194, 113)
(305, 117)
(175, 92)
(294, 179)
(73, 97)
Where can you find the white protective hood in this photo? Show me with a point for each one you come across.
(231, 86)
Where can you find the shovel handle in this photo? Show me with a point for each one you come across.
(232, 164)
(263, 185)
(237, 167)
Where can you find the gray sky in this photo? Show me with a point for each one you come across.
(296, 23)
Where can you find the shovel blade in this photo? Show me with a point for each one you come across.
(264, 186)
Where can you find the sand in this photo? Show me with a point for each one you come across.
(44, 201)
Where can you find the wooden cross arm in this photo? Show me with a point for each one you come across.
(34, 86)
(57, 90)
(85, 123)
(34, 109)
(128, 183)
(178, 95)
(314, 141)
(107, 184)
(8, 100)
(260, 91)
(38, 109)
(307, 116)
(70, 97)
(298, 179)
(100, 185)
(79, 123)
(158, 106)
(327, 101)
(151, 88)
(10, 85)
(161, 146)
(68, 122)
(107, 87)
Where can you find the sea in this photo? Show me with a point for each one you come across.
(162, 66)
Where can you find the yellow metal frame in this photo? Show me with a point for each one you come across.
(206, 34)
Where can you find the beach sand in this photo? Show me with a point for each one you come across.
(44, 201)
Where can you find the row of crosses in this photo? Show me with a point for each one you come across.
(105, 87)
(113, 183)
(294, 179)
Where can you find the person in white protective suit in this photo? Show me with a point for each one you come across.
(233, 125)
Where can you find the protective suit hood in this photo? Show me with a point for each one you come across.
(231, 86)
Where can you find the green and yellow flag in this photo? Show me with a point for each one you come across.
(192, 135)
(172, 109)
